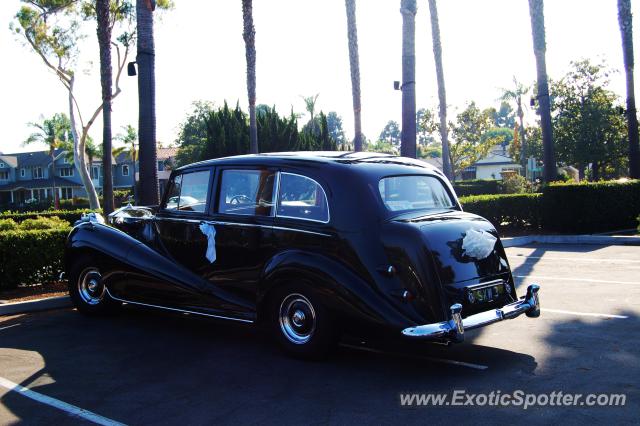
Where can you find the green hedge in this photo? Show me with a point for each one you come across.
(68, 215)
(591, 207)
(510, 210)
(564, 208)
(477, 187)
(31, 257)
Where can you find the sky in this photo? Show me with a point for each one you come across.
(302, 50)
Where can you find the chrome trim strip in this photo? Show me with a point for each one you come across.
(283, 228)
(255, 225)
(453, 330)
(178, 310)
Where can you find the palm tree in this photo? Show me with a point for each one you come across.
(106, 77)
(130, 140)
(354, 63)
(626, 30)
(249, 35)
(147, 103)
(442, 94)
(310, 106)
(515, 94)
(408, 9)
(536, 10)
(53, 132)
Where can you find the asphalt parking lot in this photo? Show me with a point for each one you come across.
(147, 367)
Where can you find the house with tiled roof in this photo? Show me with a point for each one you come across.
(27, 176)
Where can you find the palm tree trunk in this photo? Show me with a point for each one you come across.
(147, 103)
(536, 11)
(442, 94)
(408, 10)
(249, 35)
(104, 43)
(626, 30)
(354, 64)
(523, 141)
(79, 158)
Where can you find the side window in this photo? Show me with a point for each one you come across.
(302, 198)
(246, 192)
(188, 192)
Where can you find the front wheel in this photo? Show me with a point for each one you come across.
(87, 289)
(301, 324)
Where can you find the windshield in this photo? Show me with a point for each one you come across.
(401, 193)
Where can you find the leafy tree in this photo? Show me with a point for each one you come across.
(408, 9)
(354, 66)
(52, 29)
(471, 140)
(383, 146)
(391, 133)
(536, 11)
(442, 94)
(334, 123)
(625, 21)
(53, 132)
(249, 35)
(430, 151)
(587, 123)
(503, 116)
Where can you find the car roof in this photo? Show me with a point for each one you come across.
(339, 159)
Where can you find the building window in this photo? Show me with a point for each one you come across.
(66, 172)
(37, 173)
(160, 166)
(66, 193)
(125, 170)
(65, 160)
(95, 172)
(1, 165)
(23, 172)
(4, 175)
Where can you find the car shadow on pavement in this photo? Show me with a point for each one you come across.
(145, 366)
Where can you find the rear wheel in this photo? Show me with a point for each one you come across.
(301, 323)
(86, 288)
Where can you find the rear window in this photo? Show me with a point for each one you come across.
(402, 193)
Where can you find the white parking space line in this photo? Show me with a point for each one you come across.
(573, 259)
(9, 326)
(584, 314)
(428, 358)
(588, 280)
(68, 408)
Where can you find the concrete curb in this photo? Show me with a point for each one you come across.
(572, 239)
(35, 305)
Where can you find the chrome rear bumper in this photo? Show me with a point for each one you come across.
(453, 330)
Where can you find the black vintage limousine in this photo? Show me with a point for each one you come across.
(312, 245)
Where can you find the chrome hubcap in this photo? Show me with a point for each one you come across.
(90, 286)
(297, 319)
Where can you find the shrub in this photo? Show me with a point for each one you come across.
(511, 210)
(514, 184)
(8, 225)
(29, 257)
(591, 207)
(47, 222)
(69, 216)
(477, 187)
